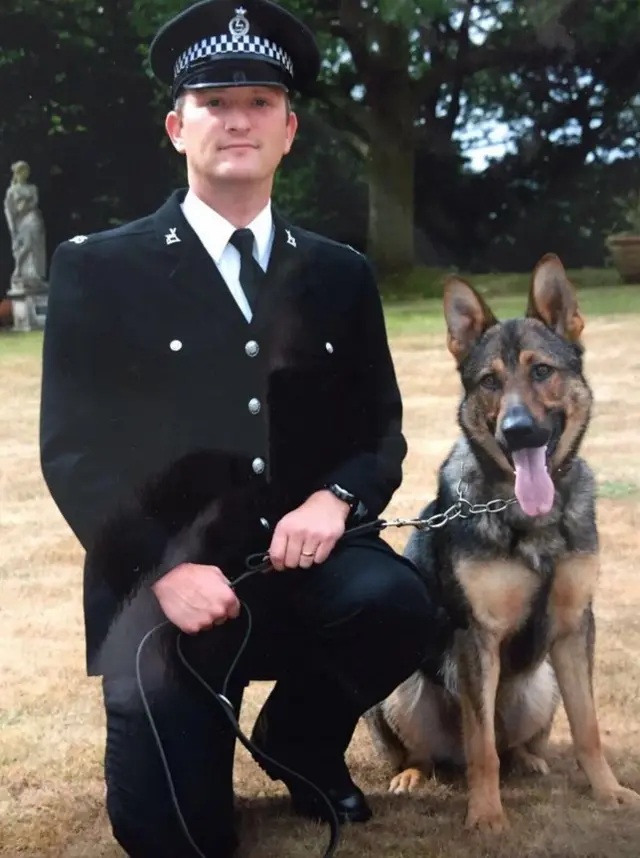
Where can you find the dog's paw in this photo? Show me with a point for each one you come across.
(407, 781)
(487, 818)
(618, 796)
(531, 764)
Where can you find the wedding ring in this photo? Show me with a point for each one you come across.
(308, 553)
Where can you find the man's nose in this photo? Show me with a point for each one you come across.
(237, 119)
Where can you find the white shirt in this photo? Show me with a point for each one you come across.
(214, 231)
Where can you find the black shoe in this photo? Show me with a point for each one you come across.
(349, 806)
(347, 800)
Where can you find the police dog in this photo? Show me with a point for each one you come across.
(517, 584)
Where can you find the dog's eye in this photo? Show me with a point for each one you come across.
(490, 381)
(541, 371)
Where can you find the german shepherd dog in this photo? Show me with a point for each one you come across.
(517, 584)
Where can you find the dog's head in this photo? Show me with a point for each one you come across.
(526, 403)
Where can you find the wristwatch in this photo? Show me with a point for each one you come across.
(358, 510)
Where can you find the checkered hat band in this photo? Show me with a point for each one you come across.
(232, 45)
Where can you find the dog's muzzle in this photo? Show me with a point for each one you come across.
(521, 431)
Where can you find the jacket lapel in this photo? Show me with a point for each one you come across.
(191, 270)
(283, 281)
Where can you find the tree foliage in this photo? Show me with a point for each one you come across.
(405, 81)
(408, 91)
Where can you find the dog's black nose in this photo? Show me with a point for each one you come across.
(520, 429)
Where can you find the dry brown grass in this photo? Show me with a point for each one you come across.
(51, 790)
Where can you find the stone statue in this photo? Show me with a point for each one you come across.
(27, 231)
(26, 225)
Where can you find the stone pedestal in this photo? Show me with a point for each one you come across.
(29, 303)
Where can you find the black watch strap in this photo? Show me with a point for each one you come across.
(343, 494)
(358, 510)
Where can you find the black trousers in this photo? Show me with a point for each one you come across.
(336, 638)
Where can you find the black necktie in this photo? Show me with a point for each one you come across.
(250, 272)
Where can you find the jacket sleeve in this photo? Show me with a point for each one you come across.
(78, 401)
(375, 473)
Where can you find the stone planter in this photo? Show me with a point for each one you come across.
(625, 252)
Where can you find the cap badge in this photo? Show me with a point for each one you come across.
(238, 25)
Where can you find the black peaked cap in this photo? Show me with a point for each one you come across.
(225, 43)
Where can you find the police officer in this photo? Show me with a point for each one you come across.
(218, 382)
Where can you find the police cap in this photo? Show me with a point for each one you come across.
(215, 43)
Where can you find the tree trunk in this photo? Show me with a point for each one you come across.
(391, 195)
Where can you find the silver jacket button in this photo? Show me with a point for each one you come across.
(252, 348)
(258, 465)
(265, 523)
(254, 405)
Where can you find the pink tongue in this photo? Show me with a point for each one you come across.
(534, 489)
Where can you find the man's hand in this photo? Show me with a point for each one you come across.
(308, 534)
(195, 597)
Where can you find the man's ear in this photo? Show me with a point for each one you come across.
(173, 127)
(292, 128)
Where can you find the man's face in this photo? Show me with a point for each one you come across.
(233, 134)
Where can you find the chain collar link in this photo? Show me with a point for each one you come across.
(462, 508)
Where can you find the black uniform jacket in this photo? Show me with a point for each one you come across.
(174, 430)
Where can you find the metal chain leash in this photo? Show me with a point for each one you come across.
(462, 508)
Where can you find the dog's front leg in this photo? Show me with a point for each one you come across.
(478, 658)
(572, 659)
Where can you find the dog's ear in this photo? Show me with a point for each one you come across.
(552, 299)
(467, 316)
